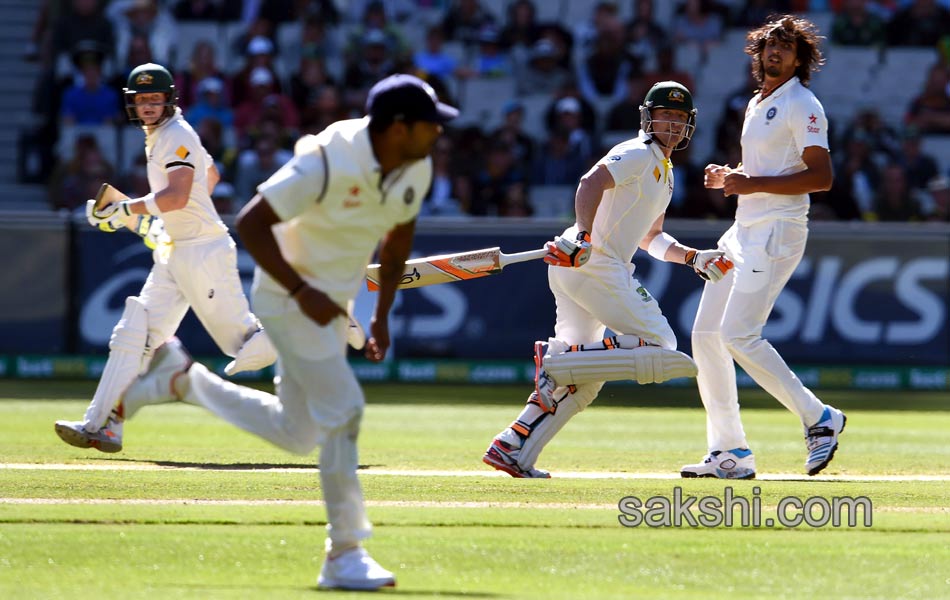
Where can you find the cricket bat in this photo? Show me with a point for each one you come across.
(137, 224)
(446, 268)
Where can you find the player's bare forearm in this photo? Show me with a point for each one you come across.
(254, 225)
(589, 192)
(817, 177)
(393, 254)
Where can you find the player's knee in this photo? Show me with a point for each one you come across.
(740, 343)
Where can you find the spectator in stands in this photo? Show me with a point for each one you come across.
(644, 34)
(512, 133)
(498, 172)
(894, 201)
(570, 89)
(203, 64)
(264, 100)
(259, 55)
(625, 115)
(698, 24)
(316, 40)
(579, 140)
(754, 13)
(939, 188)
(604, 16)
(196, 10)
(855, 25)
(324, 107)
(311, 77)
(144, 17)
(930, 111)
(83, 21)
(922, 23)
(396, 11)
(135, 181)
(884, 141)
(603, 74)
(666, 69)
(432, 59)
(374, 20)
(259, 162)
(464, 20)
(729, 128)
(373, 63)
(542, 74)
(210, 104)
(139, 52)
(442, 199)
(211, 133)
(521, 29)
(75, 181)
(856, 178)
(557, 164)
(90, 100)
(920, 167)
(490, 60)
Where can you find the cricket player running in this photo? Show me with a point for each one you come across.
(313, 228)
(784, 158)
(195, 262)
(620, 204)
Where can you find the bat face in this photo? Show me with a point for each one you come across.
(443, 269)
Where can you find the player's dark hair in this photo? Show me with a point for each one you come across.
(787, 28)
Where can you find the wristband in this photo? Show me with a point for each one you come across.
(150, 205)
(660, 244)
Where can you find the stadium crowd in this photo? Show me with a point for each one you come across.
(253, 94)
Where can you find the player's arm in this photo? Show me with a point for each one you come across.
(564, 252)
(393, 254)
(817, 176)
(254, 225)
(173, 197)
(213, 175)
(711, 265)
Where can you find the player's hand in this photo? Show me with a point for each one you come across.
(711, 265)
(737, 182)
(378, 343)
(151, 229)
(713, 176)
(108, 218)
(317, 305)
(563, 252)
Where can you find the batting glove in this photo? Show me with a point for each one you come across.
(711, 265)
(563, 252)
(109, 217)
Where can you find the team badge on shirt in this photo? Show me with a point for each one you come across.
(771, 114)
(656, 173)
(812, 121)
(409, 196)
(614, 158)
(182, 152)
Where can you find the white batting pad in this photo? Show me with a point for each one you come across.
(126, 348)
(256, 353)
(648, 364)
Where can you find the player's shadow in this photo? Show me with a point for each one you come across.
(402, 591)
(180, 464)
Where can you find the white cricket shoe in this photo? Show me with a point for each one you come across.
(107, 439)
(544, 385)
(354, 570)
(503, 456)
(821, 439)
(737, 463)
(157, 384)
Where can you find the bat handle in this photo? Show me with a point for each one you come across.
(507, 259)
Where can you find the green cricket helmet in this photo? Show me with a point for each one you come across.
(669, 94)
(147, 79)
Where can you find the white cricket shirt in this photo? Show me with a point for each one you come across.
(335, 207)
(643, 187)
(775, 133)
(175, 145)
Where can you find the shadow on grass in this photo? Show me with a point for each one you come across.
(244, 466)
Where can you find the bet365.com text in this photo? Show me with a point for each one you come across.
(734, 510)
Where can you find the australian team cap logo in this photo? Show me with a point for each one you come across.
(144, 79)
(676, 96)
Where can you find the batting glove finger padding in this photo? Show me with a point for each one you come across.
(107, 218)
(711, 265)
(563, 252)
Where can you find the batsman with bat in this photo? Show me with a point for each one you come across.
(312, 228)
(784, 158)
(620, 204)
(195, 260)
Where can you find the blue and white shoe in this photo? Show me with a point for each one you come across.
(738, 463)
(821, 439)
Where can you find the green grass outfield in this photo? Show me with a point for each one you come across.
(194, 508)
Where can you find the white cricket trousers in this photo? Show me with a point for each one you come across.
(728, 326)
(318, 403)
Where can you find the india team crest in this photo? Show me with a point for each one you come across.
(409, 196)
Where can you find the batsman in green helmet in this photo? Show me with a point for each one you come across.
(150, 91)
(620, 206)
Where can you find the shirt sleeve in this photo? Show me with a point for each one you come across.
(297, 186)
(178, 149)
(808, 124)
(624, 164)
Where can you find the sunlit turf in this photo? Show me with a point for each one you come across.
(194, 508)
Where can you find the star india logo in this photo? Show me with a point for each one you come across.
(144, 79)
